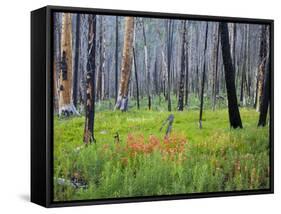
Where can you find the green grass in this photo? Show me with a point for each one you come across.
(214, 158)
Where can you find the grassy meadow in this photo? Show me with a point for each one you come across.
(142, 162)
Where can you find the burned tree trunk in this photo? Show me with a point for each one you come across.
(90, 83)
(182, 72)
(216, 67)
(233, 110)
(66, 107)
(146, 67)
(100, 78)
(116, 59)
(261, 68)
(186, 74)
(203, 79)
(170, 33)
(265, 97)
(76, 61)
(122, 100)
(137, 81)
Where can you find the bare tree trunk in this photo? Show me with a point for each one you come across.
(116, 59)
(146, 67)
(261, 68)
(265, 97)
(186, 75)
(101, 75)
(243, 74)
(215, 75)
(137, 81)
(122, 101)
(182, 72)
(233, 110)
(76, 62)
(90, 83)
(170, 29)
(203, 79)
(66, 107)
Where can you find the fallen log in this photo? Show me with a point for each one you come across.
(168, 121)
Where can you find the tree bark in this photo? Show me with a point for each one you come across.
(136, 77)
(203, 79)
(146, 67)
(261, 68)
(233, 110)
(76, 61)
(182, 72)
(215, 75)
(265, 97)
(116, 59)
(66, 107)
(170, 29)
(122, 100)
(90, 83)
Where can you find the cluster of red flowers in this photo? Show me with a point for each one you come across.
(171, 147)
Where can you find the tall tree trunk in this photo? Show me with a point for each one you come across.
(76, 61)
(90, 83)
(182, 72)
(203, 79)
(261, 68)
(215, 75)
(136, 77)
(146, 67)
(56, 62)
(186, 74)
(243, 73)
(116, 59)
(265, 97)
(155, 78)
(233, 110)
(234, 48)
(122, 100)
(101, 79)
(170, 30)
(66, 107)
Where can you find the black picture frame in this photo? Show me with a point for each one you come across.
(42, 102)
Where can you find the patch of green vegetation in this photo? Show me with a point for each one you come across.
(215, 158)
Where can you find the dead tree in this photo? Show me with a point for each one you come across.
(116, 59)
(168, 121)
(136, 78)
(261, 68)
(76, 61)
(146, 67)
(203, 79)
(66, 106)
(122, 100)
(265, 97)
(233, 110)
(170, 33)
(182, 72)
(90, 83)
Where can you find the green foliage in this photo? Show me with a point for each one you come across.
(215, 158)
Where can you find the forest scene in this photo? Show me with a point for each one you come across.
(154, 106)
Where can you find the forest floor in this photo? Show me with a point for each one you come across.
(142, 162)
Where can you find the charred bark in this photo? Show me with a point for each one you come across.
(265, 97)
(90, 83)
(182, 72)
(233, 110)
(203, 79)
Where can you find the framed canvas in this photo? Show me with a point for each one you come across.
(131, 106)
